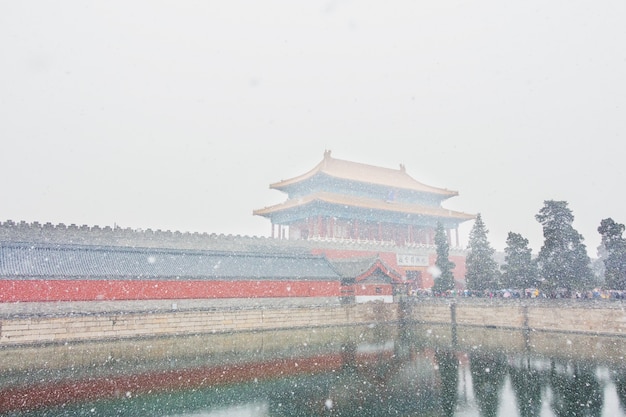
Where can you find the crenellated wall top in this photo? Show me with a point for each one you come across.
(11, 231)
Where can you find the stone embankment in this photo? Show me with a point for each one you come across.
(601, 317)
(37, 323)
(32, 323)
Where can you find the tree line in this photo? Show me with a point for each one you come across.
(562, 264)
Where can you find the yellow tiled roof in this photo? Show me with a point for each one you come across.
(366, 203)
(354, 171)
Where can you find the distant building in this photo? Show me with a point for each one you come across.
(353, 203)
(42, 272)
(376, 224)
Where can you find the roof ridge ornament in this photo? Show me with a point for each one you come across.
(327, 154)
(402, 168)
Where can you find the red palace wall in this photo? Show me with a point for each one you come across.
(15, 290)
(458, 271)
(459, 268)
(373, 289)
(92, 290)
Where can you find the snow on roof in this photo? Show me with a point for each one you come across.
(360, 269)
(98, 262)
(367, 203)
(355, 171)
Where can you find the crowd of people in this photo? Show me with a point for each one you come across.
(595, 294)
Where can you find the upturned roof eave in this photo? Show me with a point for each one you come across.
(360, 269)
(395, 276)
(283, 184)
(326, 167)
(355, 203)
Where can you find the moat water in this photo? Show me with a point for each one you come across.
(354, 371)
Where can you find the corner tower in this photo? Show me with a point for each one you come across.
(344, 200)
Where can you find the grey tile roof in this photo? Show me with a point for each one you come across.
(353, 267)
(26, 261)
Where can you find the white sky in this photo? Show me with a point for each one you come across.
(177, 115)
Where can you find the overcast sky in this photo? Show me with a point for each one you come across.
(177, 115)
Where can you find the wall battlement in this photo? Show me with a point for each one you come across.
(35, 232)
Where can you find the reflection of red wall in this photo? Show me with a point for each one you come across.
(90, 290)
(36, 396)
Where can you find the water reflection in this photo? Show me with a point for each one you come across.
(528, 383)
(372, 371)
(448, 365)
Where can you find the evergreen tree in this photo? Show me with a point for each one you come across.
(445, 279)
(563, 261)
(615, 259)
(481, 269)
(519, 269)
